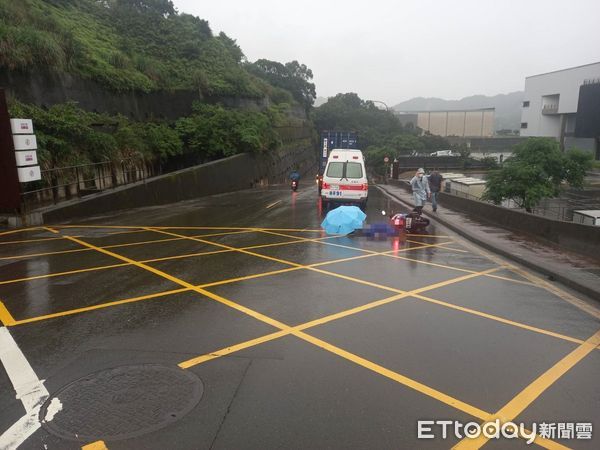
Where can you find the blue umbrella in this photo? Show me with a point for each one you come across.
(343, 220)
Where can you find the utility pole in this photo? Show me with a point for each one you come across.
(10, 189)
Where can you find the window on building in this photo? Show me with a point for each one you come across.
(523, 124)
(526, 104)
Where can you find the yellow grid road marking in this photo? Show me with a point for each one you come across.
(336, 350)
(312, 266)
(183, 283)
(329, 318)
(137, 227)
(127, 244)
(119, 302)
(34, 255)
(588, 308)
(415, 293)
(137, 299)
(521, 401)
(232, 349)
(5, 316)
(60, 274)
(19, 230)
(290, 263)
(498, 319)
(390, 255)
(92, 307)
(98, 445)
(592, 343)
(409, 382)
(114, 233)
(166, 258)
(31, 240)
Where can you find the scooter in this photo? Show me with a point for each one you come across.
(294, 185)
(413, 222)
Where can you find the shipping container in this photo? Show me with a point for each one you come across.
(335, 140)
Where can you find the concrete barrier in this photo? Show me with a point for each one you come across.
(582, 239)
(237, 172)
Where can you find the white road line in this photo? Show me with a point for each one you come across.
(273, 204)
(28, 388)
(21, 430)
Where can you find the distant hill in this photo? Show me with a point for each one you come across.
(508, 106)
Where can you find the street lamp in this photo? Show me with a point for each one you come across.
(383, 103)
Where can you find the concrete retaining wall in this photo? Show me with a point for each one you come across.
(583, 239)
(49, 88)
(237, 172)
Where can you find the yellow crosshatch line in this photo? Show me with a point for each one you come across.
(340, 352)
(322, 344)
(283, 261)
(98, 445)
(592, 344)
(157, 227)
(19, 230)
(215, 283)
(392, 255)
(127, 244)
(371, 253)
(523, 399)
(25, 241)
(543, 284)
(166, 258)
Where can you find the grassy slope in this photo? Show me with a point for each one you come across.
(122, 49)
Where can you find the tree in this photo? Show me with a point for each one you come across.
(405, 144)
(349, 112)
(536, 170)
(374, 158)
(292, 76)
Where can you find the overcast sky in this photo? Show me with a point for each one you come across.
(395, 50)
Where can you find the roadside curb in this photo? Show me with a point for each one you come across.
(552, 274)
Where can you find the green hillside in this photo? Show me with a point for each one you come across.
(142, 45)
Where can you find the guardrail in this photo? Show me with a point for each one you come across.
(65, 183)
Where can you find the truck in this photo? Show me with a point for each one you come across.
(331, 140)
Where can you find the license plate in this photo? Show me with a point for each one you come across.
(408, 222)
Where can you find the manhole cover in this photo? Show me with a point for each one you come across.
(121, 403)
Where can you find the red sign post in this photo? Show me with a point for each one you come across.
(10, 189)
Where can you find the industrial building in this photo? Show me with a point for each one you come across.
(565, 105)
(459, 123)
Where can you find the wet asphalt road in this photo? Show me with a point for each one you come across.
(236, 323)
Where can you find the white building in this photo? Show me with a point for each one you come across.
(550, 104)
(460, 123)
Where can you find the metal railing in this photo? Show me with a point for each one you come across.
(60, 184)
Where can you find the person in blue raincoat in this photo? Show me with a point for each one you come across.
(295, 175)
(420, 189)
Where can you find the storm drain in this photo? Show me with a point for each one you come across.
(121, 403)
